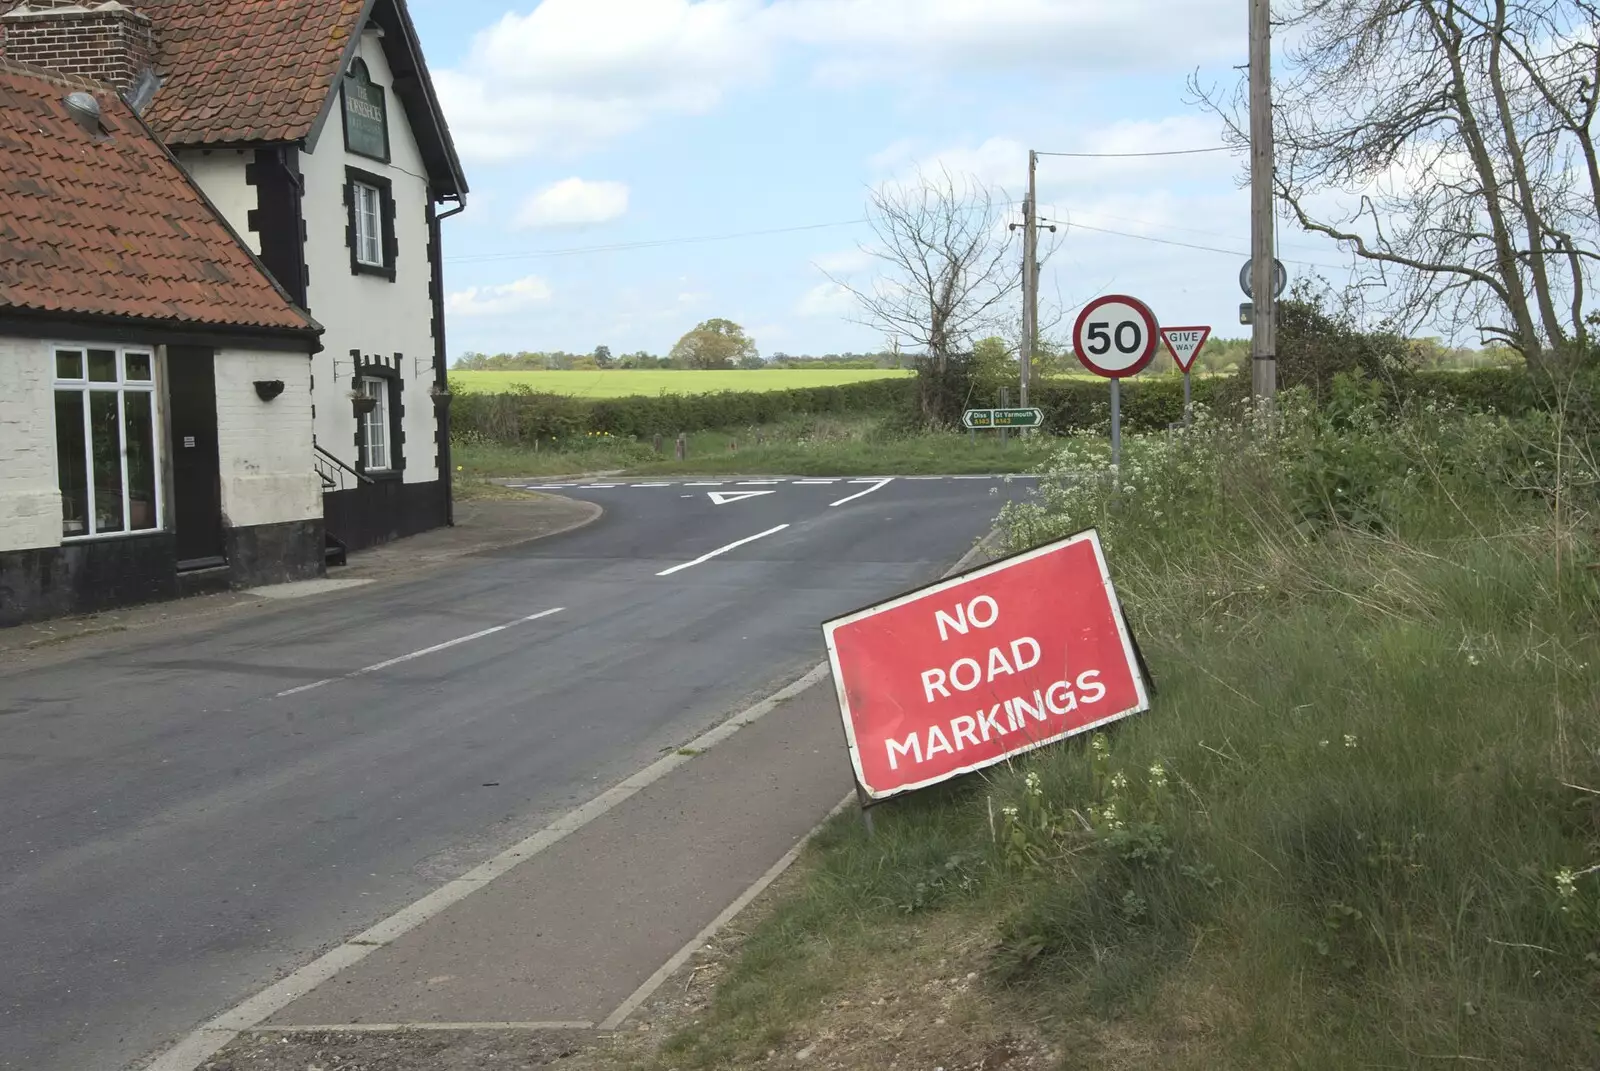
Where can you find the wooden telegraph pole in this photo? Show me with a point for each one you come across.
(1030, 274)
(1263, 265)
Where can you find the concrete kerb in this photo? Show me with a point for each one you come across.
(190, 1053)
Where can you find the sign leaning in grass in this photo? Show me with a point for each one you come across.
(1003, 418)
(970, 671)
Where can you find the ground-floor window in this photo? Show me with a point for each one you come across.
(375, 425)
(107, 450)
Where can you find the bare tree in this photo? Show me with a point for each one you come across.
(948, 269)
(1447, 144)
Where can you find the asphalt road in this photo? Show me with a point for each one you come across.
(185, 818)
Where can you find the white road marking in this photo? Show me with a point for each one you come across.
(600, 486)
(722, 498)
(199, 1046)
(925, 477)
(716, 484)
(974, 477)
(649, 485)
(858, 494)
(388, 1028)
(756, 483)
(546, 486)
(480, 634)
(722, 550)
(814, 483)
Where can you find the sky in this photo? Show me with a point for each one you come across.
(638, 166)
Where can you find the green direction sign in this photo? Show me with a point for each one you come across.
(1003, 418)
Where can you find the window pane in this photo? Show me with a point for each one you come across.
(105, 437)
(70, 463)
(138, 367)
(69, 365)
(138, 410)
(376, 423)
(102, 366)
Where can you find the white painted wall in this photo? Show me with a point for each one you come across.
(265, 447)
(30, 501)
(368, 312)
(220, 174)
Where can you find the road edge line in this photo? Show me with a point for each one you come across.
(637, 998)
(205, 1041)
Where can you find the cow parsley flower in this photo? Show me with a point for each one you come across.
(1349, 740)
(1158, 775)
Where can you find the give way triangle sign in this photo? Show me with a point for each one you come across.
(1184, 343)
(722, 498)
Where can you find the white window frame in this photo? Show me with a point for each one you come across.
(122, 386)
(369, 224)
(378, 418)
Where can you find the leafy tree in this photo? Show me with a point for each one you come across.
(752, 360)
(993, 367)
(602, 357)
(713, 344)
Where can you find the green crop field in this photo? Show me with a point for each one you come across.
(621, 383)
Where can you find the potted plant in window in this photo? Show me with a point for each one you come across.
(362, 403)
(440, 395)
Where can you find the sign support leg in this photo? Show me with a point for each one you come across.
(866, 810)
(1116, 424)
(1188, 404)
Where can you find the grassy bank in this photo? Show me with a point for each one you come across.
(623, 382)
(820, 446)
(1358, 829)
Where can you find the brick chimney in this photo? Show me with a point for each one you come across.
(105, 40)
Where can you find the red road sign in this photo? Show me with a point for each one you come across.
(975, 669)
(1115, 336)
(1185, 343)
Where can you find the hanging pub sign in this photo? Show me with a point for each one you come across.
(366, 121)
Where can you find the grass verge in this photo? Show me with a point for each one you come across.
(1360, 827)
(813, 446)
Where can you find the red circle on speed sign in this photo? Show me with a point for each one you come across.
(1115, 336)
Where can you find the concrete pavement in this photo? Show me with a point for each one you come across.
(181, 823)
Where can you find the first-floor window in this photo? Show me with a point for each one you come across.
(369, 224)
(106, 443)
(375, 424)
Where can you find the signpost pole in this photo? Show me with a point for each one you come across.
(1188, 402)
(1116, 424)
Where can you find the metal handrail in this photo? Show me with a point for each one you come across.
(328, 480)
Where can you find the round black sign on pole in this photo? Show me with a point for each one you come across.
(1280, 279)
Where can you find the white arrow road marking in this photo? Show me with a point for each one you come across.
(858, 494)
(723, 550)
(722, 498)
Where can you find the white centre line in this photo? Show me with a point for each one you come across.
(717, 484)
(600, 486)
(649, 485)
(756, 483)
(418, 654)
(814, 483)
(722, 550)
(858, 494)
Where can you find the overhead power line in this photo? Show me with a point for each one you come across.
(1128, 155)
(1185, 245)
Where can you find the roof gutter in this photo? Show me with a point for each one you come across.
(461, 205)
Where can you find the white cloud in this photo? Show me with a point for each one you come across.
(826, 299)
(572, 75)
(514, 296)
(574, 201)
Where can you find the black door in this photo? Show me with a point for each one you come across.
(196, 472)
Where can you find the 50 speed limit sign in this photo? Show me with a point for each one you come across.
(1115, 336)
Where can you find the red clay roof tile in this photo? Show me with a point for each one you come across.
(246, 70)
(110, 224)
